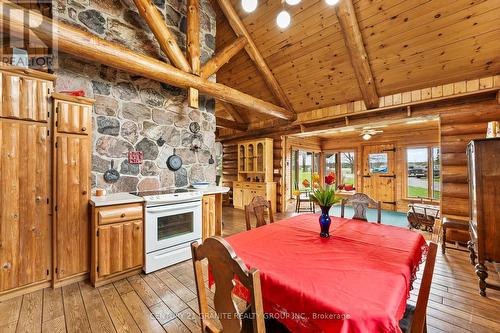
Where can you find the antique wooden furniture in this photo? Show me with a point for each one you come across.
(448, 225)
(117, 242)
(25, 180)
(258, 208)
(360, 202)
(484, 197)
(422, 215)
(414, 320)
(72, 163)
(255, 173)
(304, 197)
(225, 266)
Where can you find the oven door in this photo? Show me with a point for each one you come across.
(172, 225)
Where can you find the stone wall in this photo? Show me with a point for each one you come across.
(134, 113)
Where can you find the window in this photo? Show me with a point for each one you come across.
(420, 182)
(304, 164)
(346, 174)
(347, 163)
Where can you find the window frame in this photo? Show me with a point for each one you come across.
(338, 159)
(430, 172)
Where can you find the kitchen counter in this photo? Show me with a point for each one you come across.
(115, 199)
(213, 189)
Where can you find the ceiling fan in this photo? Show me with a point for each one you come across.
(367, 134)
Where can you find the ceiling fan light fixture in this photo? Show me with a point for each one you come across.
(283, 19)
(332, 2)
(292, 2)
(249, 5)
(367, 136)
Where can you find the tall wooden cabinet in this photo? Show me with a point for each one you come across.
(484, 203)
(72, 163)
(25, 180)
(45, 152)
(255, 173)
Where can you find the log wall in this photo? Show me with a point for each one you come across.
(459, 125)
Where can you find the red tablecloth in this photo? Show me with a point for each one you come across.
(358, 280)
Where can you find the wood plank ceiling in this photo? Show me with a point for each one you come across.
(410, 44)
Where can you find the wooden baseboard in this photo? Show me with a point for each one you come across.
(70, 280)
(5, 295)
(116, 277)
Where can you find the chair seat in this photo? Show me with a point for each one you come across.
(455, 224)
(405, 323)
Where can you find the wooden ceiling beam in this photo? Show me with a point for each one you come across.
(85, 45)
(240, 30)
(193, 46)
(222, 57)
(359, 58)
(165, 38)
(237, 116)
(226, 123)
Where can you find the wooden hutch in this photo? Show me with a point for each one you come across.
(255, 173)
(484, 198)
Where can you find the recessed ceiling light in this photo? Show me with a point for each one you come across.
(283, 19)
(332, 2)
(292, 2)
(249, 5)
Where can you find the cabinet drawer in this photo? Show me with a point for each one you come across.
(114, 214)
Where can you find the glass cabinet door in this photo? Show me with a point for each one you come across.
(260, 156)
(242, 157)
(251, 157)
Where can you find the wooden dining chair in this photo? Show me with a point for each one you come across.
(258, 208)
(360, 203)
(414, 319)
(225, 266)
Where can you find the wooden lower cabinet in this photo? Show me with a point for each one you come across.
(244, 192)
(211, 215)
(117, 242)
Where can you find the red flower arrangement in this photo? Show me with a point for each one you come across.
(330, 179)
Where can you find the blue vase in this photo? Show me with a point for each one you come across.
(325, 221)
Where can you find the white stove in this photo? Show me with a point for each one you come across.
(173, 221)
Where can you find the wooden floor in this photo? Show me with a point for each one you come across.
(166, 301)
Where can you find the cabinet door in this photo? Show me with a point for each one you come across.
(238, 197)
(24, 98)
(208, 213)
(25, 245)
(73, 118)
(248, 196)
(120, 247)
(73, 188)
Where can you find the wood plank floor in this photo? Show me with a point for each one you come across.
(166, 300)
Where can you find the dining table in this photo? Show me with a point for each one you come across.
(357, 280)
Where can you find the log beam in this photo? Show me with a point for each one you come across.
(226, 123)
(359, 58)
(165, 38)
(237, 116)
(84, 45)
(240, 30)
(193, 46)
(222, 57)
